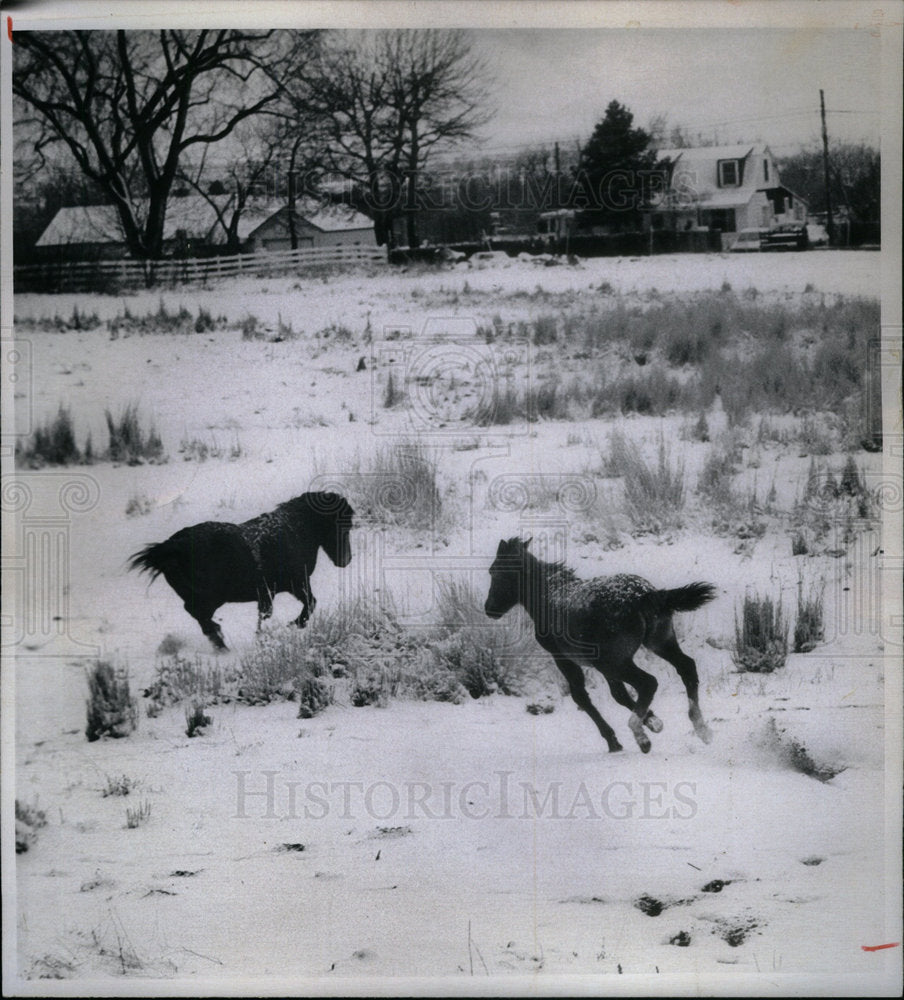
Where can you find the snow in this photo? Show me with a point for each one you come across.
(472, 847)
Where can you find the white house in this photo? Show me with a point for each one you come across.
(317, 224)
(728, 188)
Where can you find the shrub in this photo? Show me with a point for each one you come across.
(164, 320)
(196, 722)
(135, 817)
(761, 636)
(267, 672)
(653, 494)
(138, 505)
(397, 485)
(110, 707)
(314, 694)
(799, 544)
(503, 407)
(53, 443)
(129, 442)
(809, 628)
(198, 450)
(177, 678)
(392, 397)
(119, 786)
(544, 330)
(29, 819)
(251, 329)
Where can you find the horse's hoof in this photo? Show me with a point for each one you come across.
(616, 748)
(645, 746)
(653, 723)
(705, 734)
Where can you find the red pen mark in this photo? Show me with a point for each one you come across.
(9, 27)
(879, 947)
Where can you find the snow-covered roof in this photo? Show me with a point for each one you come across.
(695, 173)
(197, 217)
(322, 215)
(100, 223)
(83, 224)
(737, 152)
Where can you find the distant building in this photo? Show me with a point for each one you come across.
(317, 224)
(194, 228)
(728, 188)
(90, 232)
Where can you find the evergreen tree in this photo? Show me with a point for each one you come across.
(618, 173)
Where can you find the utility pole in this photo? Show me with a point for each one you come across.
(558, 178)
(825, 168)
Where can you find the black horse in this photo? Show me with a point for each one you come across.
(600, 623)
(216, 563)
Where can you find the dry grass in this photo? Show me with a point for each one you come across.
(761, 635)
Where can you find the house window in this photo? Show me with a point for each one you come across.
(766, 170)
(728, 173)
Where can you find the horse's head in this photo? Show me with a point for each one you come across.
(335, 517)
(505, 577)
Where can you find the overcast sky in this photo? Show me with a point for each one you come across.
(736, 85)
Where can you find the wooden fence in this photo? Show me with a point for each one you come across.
(102, 275)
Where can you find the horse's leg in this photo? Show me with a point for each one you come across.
(576, 685)
(645, 685)
(301, 590)
(664, 643)
(264, 606)
(208, 626)
(620, 694)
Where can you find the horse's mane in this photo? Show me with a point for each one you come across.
(556, 573)
(331, 506)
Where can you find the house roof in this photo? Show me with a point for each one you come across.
(736, 152)
(325, 216)
(695, 174)
(197, 217)
(100, 223)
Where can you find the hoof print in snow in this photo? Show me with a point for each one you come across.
(736, 936)
(584, 900)
(650, 906)
(735, 932)
(185, 873)
(289, 848)
(812, 861)
(681, 940)
(717, 885)
(390, 832)
(364, 955)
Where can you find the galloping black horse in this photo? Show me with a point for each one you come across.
(217, 563)
(600, 623)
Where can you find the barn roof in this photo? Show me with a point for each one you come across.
(197, 217)
(100, 223)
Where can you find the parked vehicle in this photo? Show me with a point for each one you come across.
(748, 240)
(788, 236)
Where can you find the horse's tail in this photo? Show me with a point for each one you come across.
(687, 598)
(157, 558)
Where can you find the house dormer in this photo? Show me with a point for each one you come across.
(730, 173)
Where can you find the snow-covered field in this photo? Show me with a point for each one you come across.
(473, 843)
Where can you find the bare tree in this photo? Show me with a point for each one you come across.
(387, 100)
(439, 96)
(128, 105)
